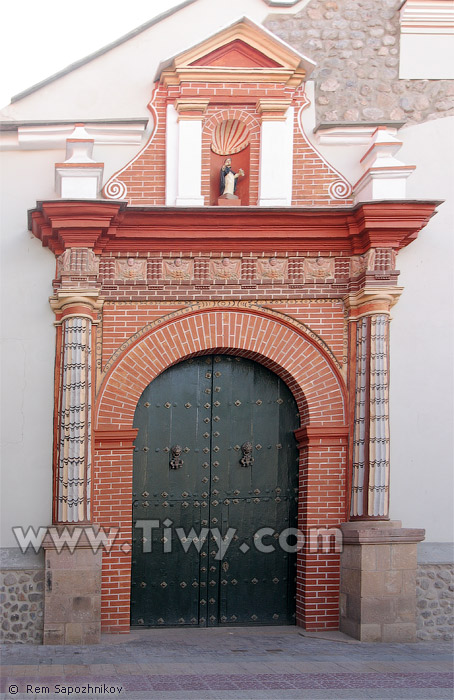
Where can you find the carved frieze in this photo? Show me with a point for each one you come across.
(178, 269)
(77, 262)
(225, 269)
(362, 263)
(272, 269)
(318, 269)
(131, 269)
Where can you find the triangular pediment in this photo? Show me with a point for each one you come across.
(237, 54)
(244, 48)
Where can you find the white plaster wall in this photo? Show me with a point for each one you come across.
(426, 56)
(28, 347)
(28, 337)
(106, 87)
(421, 399)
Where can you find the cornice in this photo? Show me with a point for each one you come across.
(219, 74)
(116, 228)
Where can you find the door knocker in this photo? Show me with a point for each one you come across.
(247, 460)
(176, 462)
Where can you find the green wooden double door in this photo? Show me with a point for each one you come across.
(215, 497)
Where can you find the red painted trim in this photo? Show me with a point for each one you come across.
(108, 227)
(115, 439)
(351, 384)
(56, 421)
(325, 435)
(236, 54)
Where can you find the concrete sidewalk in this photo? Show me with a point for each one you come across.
(229, 663)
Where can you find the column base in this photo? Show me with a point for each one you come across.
(378, 581)
(72, 598)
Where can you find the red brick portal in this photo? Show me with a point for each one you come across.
(299, 284)
(320, 393)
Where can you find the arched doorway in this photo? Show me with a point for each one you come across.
(215, 484)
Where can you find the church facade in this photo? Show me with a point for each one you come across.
(222, 257)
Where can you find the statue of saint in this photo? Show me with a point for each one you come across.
(229, 178)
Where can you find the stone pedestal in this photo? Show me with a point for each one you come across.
(72, 599)
(378, 581)
(229, 200)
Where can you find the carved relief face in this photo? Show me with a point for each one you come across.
(178, 262)
(226, 262)
(131, 262)
(273, 261)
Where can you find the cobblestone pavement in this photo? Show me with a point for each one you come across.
(229, 663)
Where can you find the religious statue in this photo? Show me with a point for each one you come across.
(229, 178)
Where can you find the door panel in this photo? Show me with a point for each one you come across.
(210, 407)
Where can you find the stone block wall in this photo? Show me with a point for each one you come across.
(435, 601)
(22, 598)
(356, 49)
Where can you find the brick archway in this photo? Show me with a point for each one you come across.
(303, 363)
(284, 348)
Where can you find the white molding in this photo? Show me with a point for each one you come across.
(348, 135)
(385, 177)
(53, 136)
(427, 16)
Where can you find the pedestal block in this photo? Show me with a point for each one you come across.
(229, 200)
(72, 599)
(378, 581)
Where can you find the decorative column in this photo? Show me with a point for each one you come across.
(370, 479)
(76, 318)
(378, 561)
(189, 168)
(276, 152)
(72, 606)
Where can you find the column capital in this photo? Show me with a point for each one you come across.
(372, 300)
(191, 108)
(273, 109)
(321, 435)
(76, 302)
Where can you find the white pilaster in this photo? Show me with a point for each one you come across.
(171, 155)
(276, 157)
(189, 180)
